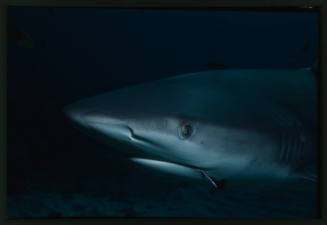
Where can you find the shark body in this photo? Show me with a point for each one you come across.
(214, 125)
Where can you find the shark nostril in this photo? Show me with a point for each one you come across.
(132, 132)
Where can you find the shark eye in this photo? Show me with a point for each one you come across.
(185, 130)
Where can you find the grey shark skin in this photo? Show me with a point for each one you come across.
(223, 124)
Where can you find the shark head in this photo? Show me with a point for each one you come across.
(188, 120)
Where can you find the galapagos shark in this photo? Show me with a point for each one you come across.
(219, 125)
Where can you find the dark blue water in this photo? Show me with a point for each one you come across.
(54, 170)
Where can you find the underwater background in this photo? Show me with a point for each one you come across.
(59, 55)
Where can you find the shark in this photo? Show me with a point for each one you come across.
(217, 125)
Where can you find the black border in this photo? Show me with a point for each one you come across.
(253, 5)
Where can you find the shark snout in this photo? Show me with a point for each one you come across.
(96, 120)
(74, 114)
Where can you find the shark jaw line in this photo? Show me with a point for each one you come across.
(163, 161)
(180, 170)
(171, 167)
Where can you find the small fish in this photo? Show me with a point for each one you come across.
(216, 66)
(18, 37)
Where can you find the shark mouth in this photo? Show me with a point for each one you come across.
(179, 169)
